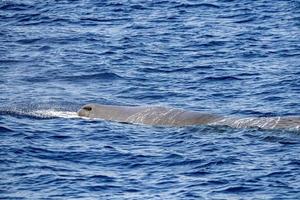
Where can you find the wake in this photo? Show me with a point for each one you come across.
(54, 114)
(39, 113)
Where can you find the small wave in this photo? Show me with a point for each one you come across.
(106, 76)
(14, 6)
(10, 61)
(222, 78)
(214, 43)
(101, 76)
(101, 19)
(247, 20)
(239, 189)
(138, 7)
(199, 5)
(5, 129)
(28, 40)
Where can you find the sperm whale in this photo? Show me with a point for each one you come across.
(164, 116)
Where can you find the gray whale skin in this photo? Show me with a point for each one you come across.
(164, 116)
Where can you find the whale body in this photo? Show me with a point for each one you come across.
(164, 116)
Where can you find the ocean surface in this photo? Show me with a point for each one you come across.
(237, 58)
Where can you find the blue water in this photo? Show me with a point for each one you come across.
(234, 58)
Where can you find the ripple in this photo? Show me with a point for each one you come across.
(28, 41)
(14, 6)
(199, 5)
(247, 20)
(98, 76)
(102, 178)
(239, 189)
(4, 129)
(222, 78)
(138, 7)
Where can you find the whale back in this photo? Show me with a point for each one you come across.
(154, 115)
(157, 115)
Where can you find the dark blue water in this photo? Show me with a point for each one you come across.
(236, 58)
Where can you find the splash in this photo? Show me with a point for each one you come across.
(47, 113)
(50, 113)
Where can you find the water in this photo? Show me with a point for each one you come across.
(234, 58)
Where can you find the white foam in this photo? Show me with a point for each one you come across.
(55, 113)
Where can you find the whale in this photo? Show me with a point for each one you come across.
(167, 116)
